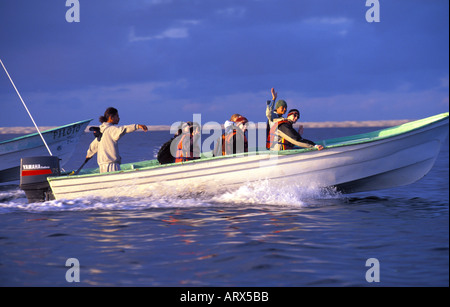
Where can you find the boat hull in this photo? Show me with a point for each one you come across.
(61, 141)
(379, 163)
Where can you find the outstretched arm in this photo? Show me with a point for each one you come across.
(143, 127)
(292, 136)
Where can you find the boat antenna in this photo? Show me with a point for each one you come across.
(12, 82)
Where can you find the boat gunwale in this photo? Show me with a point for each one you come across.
(45, 131)
(352, 140)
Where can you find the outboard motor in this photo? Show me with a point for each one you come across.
(33, 177)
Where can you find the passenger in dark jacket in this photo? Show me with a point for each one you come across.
(283, 136)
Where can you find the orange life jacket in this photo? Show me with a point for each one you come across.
(223, 144)
(279, 140)
(228, 144)
(183, 155)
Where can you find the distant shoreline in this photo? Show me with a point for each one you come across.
(343, 124)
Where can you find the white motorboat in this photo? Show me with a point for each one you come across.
(61, 141)
(381, 159)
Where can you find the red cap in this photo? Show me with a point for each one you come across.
(241, 119)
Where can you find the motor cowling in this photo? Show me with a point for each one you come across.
(33, 177)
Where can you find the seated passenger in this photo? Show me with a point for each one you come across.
(165, 155)
(275, 110)
(283, 136)
(187, 143)
(229, 124)
(233, 140)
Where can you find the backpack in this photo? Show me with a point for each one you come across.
(164, 156)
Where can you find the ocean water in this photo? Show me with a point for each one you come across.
(258, 236)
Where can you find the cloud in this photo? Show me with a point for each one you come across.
(371, 105)
(155, 2)
(232, 12)
(145, 3)
(218, 57)
(169, 33)
(331, 25)
(176, 32)
(331, 21)
(134, 100)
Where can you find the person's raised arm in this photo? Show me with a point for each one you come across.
(271, 105)
(274, 94)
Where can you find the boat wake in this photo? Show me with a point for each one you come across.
(256, 194)
(264, 192)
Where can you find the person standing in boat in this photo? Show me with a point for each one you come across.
(106, 146)
(283, 136)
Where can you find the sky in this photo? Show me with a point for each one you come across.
(161, 61)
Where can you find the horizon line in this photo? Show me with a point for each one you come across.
(326, 124)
